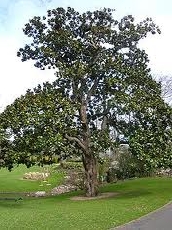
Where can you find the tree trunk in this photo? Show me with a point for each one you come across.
(89, 160)
(91, 181)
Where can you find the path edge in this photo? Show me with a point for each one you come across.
(144, 216)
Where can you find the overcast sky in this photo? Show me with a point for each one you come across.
(16, 77)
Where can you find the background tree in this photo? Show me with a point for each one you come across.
(7, 156)
(102, 80)
(166, 84)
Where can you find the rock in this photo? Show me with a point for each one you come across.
(40, 193)
(164, 172)
(36, 176)
(63, 189)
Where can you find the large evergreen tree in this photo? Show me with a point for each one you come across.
(103, 84)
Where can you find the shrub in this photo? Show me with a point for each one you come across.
(125, 165)
(74, 173)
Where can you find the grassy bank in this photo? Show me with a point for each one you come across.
(136, 198)
(13, 181)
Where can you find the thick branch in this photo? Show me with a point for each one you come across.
(76, 140)
(104, 123)
(105, 120)
(93, 87)
(83, 113)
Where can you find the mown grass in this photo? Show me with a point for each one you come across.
(13, 181)
(136, 198)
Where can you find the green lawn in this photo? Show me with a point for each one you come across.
(13, 181)
(136, 198)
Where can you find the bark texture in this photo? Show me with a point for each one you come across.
(91, 181)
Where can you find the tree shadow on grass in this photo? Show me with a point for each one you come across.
(133, 194)
(11, 204)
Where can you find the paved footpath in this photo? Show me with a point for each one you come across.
(158, 220)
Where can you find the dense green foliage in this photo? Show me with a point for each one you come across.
(151, 135)
(127, 165)
(7, 156)
(103, 87)
(34, 121)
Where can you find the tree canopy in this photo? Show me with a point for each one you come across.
(103, 87)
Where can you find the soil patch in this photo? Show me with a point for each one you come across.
(100, 196)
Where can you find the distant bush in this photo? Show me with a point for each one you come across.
(69, 165)
(125, 165)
